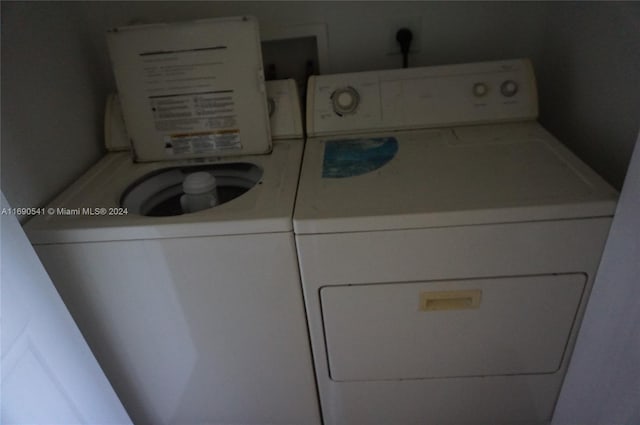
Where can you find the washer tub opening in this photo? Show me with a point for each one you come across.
(157, 194)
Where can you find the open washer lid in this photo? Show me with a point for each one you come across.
(192, 89)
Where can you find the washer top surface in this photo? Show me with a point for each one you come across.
(266, 207)
(445, 177)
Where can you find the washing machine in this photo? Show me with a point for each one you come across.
(195, 316)
(447, 245)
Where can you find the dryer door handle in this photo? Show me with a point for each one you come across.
(450, 300)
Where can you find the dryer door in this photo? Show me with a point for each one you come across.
(473, 327)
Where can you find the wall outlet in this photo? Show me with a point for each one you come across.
(413, 23)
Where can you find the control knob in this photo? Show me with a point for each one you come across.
(345, 100)
(480, 89)
(509, 88)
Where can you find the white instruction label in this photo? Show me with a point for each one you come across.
(202, 142)
(187, 96)
(192, 89)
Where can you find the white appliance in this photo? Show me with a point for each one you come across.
(197, 317)
(447, 246)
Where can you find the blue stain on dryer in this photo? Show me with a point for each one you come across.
(354, 157)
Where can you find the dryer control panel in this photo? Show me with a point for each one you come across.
(412, 98)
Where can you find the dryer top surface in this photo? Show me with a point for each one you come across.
(444, 177)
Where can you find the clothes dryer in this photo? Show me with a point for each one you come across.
(447, 245)
(196, 317)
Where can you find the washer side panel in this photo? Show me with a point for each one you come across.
(194, 330)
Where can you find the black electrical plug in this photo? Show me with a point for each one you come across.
(404, 37)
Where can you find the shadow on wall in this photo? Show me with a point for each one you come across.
(587, 75)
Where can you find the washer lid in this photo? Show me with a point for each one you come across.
(444, 177)
(192, 89)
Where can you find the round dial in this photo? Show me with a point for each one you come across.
(509, 88)
(345, 100)
(480, 89)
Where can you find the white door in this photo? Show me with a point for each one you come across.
(48, 373)
(602, 385)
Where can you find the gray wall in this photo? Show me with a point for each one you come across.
(359, 32)
(588, 82)
(51, 101)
